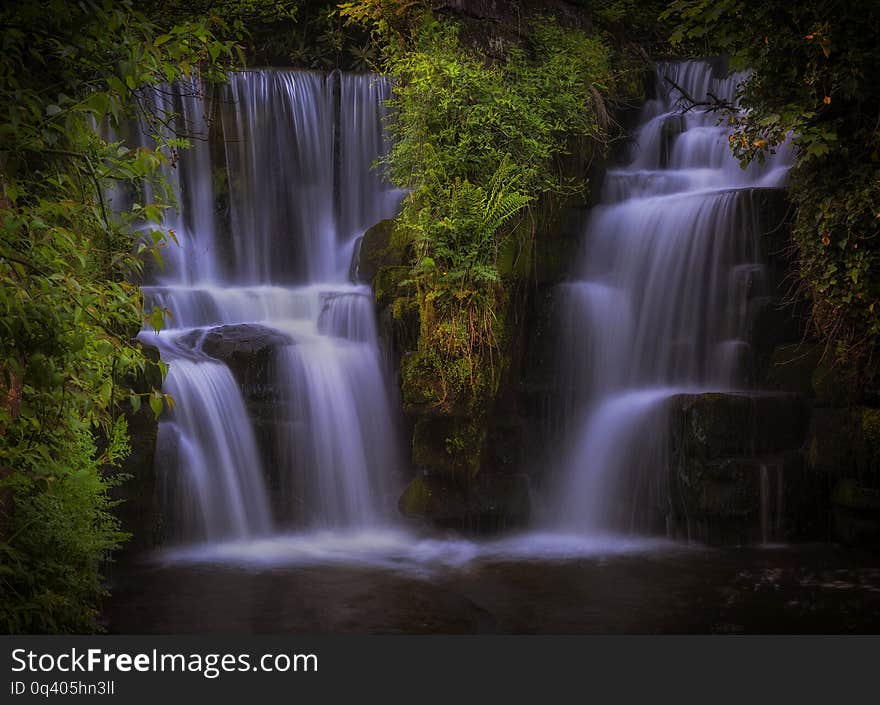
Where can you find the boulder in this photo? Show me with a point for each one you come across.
(248, 350)
(388, 285)
(717, 425)
(378, 248)
(241, 341)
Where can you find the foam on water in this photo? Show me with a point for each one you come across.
(407, 552)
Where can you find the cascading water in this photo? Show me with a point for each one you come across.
(267, 225)
(659, 302)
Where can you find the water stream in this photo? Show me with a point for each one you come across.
(659, 301)
(305, 440)
(278, 465)
(272, 197)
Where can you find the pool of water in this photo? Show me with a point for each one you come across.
(393, 582)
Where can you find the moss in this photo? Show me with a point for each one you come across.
(420, 387)
(448, 446)
(416, 498)
(388, 284)
(871, 424)
(490, 503)
(405, 324)
(382, 245)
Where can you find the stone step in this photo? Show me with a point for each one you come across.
(717, 425)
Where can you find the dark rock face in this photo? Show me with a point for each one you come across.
(139, 510)
(734, 460)
(716, 425)
(488, 503)
(671, 129)
(843, 454)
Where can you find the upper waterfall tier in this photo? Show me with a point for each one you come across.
(279, 180)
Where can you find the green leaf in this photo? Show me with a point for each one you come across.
(156, 403)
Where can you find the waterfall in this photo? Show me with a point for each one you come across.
(659, 299)
(282, 415)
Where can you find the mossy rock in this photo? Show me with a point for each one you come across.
(434, 500)
(422, 390)
(717, 425)
(378, 248)
(555, 246)
(747, 500)
(773, 324)
(404, 323)
(835, 386)
(430, 390)
(448, 446)
(503, 501)
(728, 488)
(388, 285)
(491, 503)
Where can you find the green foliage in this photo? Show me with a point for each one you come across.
(631, 21)
(393, 24)
(61, 530)
(813, 81)
(68, 308)
(476, 145)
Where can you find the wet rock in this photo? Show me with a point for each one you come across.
(399, 325)
(735, 459)
(771, 324)
(672, 127)
(248, 349)
(503, 501)
(241, 340)
(489, 503)
(434, 500)
(715, 425)
(791, 369)
(554, 247)
(447, 446)
(377, 249)
(806, 369)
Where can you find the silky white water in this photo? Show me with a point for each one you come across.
(658, 305)
(272, 197)
(659, 301)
